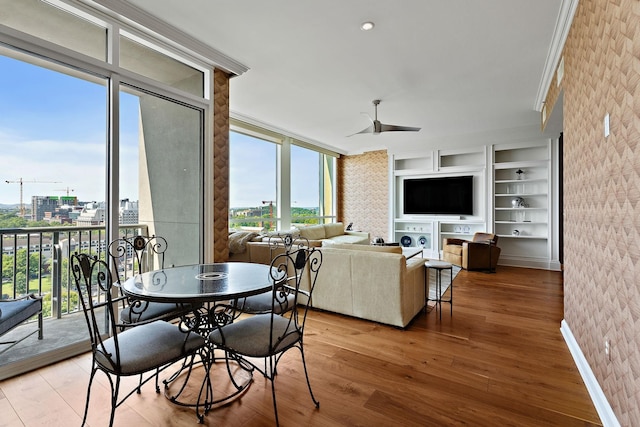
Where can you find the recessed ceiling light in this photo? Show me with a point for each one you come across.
(366, 26)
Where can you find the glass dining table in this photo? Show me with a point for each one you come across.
(215, 291)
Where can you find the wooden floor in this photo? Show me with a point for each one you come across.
(499, 361)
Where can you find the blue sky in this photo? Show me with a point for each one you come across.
(53, 129)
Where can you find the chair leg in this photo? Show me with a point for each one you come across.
(114, 398)
(273, 394)
(40, 323)
(86, 405)
(306, 374)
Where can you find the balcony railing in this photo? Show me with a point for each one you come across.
(37, 260)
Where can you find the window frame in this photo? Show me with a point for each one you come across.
(283, 143)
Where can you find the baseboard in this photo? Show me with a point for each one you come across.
(525, 262)
(603, 408)
(43, 359)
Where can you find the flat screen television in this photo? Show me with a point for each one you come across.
(439, 196)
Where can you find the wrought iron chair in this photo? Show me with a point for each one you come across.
(138, 254)
(268, 336)
(148, 347)
(13, 312)
(262, 303)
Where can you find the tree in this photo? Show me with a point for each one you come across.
(21, 269)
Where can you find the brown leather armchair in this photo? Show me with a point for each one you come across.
(475, 254)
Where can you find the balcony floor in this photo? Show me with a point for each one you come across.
(58, 334)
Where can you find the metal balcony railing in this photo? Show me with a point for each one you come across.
(37, 260)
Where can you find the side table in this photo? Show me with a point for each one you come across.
(438, 267)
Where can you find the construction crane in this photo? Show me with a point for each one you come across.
(271, 202)
(21, 182)
(67, 190)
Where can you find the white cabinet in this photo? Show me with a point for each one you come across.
(429, 234)
(414, 233)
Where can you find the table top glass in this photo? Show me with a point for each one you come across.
(200, 282)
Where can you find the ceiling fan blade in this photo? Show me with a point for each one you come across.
(368, 129)
(395, 128)
(376, 127)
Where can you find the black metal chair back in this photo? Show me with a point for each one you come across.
(267, 336)
(264, 303)
(94, 285)
(137, 254)
(147, 348)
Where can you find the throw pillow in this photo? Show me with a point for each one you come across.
(238, 241)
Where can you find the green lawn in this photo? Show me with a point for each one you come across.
(7, 288)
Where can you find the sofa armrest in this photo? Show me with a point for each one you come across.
(363, 234)
(452, 241)
(476, 255)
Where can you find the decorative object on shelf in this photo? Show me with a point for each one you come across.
(466, 229)
(422, 241)
(378, 241)
(457, 229)
(405, 241)
(518, 202)
(516, 232)
(520, 174)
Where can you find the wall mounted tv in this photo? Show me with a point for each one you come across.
(439, 196)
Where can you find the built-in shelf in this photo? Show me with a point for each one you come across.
(522, 172)
(501, 172)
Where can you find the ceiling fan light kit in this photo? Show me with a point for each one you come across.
(377, 127)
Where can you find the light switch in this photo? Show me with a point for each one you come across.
(606, 125)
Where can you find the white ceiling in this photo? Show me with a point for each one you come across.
(451, 67)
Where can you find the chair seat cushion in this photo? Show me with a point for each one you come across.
(16, 312)
(263, 303)
(250, 337)
(153, 310)
(148, 346)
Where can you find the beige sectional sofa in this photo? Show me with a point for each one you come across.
(254, 247)
(323, 234)
(370, 282)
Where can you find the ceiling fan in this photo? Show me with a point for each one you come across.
(377, 127)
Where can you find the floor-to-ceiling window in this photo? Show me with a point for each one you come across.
(305, 186)
(277, 182)
(100, 126)
(252, 183)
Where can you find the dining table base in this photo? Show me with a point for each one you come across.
(216, 382)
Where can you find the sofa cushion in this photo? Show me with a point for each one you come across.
(333, 229)
(344, 239)
(385, 249)
(313, 232)
(294, 232)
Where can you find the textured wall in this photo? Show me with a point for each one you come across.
(363, 192)
(221, 166)
(602, 195)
